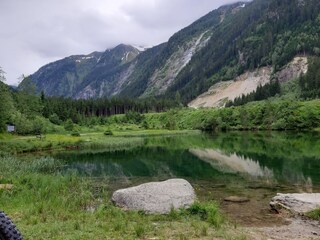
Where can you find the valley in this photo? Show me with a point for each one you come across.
(230, 103)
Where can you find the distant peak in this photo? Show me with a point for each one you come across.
(142, 48)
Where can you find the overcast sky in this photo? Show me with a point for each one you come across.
(36, 32)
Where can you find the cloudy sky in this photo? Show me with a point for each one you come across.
(36, 32)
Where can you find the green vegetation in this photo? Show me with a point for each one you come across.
(276, 114)
(98, 138)
(310, 83)
(284, 113)
(314, 214)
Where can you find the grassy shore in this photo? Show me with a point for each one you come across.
(46, 204)
(87, 139)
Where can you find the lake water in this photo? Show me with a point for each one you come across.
(255, 165)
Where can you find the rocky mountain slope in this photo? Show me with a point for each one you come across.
(229, 43)
(219, 94)
(69, 77)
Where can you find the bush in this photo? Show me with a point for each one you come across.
(54, 118)
(25, 126)
(39, 125)
(133, 117)
(75, 134)
(315, 214)
(69, 126)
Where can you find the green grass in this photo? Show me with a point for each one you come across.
(45, 204)
(314, 214)
(119, 139)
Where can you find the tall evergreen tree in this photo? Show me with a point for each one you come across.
(6, 104)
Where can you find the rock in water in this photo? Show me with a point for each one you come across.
(297, 202)
(156, 197)
(236, 199)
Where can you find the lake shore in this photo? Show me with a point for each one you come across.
(74, 201)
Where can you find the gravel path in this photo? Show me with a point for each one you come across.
(298, 229)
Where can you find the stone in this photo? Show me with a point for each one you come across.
(6, 186)
(299, 203)
(156, 197)
(236, 199)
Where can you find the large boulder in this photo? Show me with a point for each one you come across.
(297, 203)
(156, 197)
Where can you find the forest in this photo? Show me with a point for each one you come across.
(273, 106)
(30, 112)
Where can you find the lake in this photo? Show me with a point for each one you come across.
(255, 165)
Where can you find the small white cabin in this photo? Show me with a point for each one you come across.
(11, 128)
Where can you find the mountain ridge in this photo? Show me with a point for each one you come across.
(134, 79)
(220, 46)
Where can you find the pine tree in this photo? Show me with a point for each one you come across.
(6, 105)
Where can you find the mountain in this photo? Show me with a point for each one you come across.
(69, 76)
(224, 44)
(145, 73)
(263, 33)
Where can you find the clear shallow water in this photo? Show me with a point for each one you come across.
(256, 165)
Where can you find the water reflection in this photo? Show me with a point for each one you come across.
(232, 163)
(256, 165)
(290, 158)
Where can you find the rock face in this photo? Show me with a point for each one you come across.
(220, 93)
(156, 197)
(296, 203)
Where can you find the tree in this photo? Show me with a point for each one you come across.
(27, 102)
(2, 77)
(6, 104)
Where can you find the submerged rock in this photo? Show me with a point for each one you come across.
(156, 197)
(236, 199)
(297, 203)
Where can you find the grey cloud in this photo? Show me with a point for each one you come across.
(168, 13)
(36, 32)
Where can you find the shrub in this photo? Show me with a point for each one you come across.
(133, 117)
(54, 118)
(68, 126)
(315, 214)
(75, 134)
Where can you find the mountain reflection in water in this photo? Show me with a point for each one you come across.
(285, 158)
(232, 163)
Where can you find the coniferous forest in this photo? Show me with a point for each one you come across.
(29, 111)
(32, 113)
